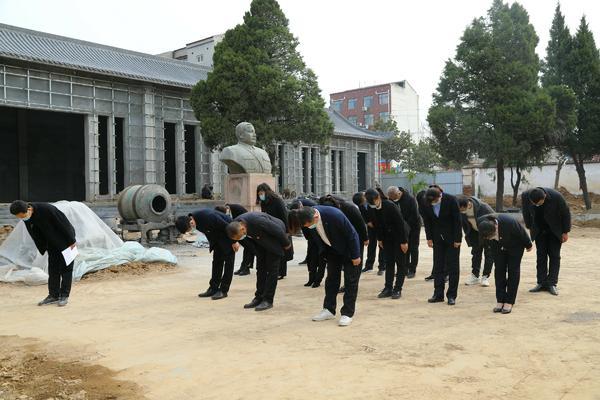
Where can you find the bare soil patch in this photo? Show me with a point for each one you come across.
(133, 269)
(4, 232)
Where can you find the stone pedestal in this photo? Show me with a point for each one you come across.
(241, 189)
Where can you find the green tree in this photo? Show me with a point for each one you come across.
(260, 77)
(382, 125)
(488, 102)
(394, 147)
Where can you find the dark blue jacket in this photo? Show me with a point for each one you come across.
(213, 223)
(339, 231)
(49, 228)
(266, 231)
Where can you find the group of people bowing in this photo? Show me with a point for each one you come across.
(338, 232)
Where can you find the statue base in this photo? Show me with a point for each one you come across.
(241, 189)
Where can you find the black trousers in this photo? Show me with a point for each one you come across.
(507, 274)
(396, 263)
(372, 251)
(222, 269)
(445, 262)
(478, 252)
(248, 257)
(315, 263)
(548, 249)
(414, 238)
(337, 263)
(60, 275)
(267, 270)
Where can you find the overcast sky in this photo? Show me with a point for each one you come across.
(348, 43)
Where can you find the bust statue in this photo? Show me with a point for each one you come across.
(244, 157)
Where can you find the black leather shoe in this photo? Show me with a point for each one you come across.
(367, 269)
(410, 275)
(208, 293)
(280, 277)
(435, 300)
(497, 309)
(243, 271)
(451, 301)
(219, 295)
(309, 283)
(429, 278)
(255, 301)
(316, 284)
(384, 293)
(553, 290)
(396, 294)
(506, 311)
(381, 272)
(304, 262)
(265, 305)
(537, 288)
(341, 289)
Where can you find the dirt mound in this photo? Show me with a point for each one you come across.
(128, 269)
(4, 232)
(26, 372)
(575, 202)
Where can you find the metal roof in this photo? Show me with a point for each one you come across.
(44, 48)
(343, 127)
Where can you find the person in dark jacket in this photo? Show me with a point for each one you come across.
(341, 242)
(471, 209)
(271, 242)
(51, 232)
(272, 204)
(392, 236)
(361, 202)
(443, 230)
(212, 224)
(315, 258)
(309, 203)
(410, 213)
(422, 204)
(509, 239)
(548, 218)
(234, 211)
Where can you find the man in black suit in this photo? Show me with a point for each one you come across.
(392, 236)
(51, 231)
(308, 203)
(212, 224)
(444, 234)
(471, 209)
(548, 218)
(340, 240)
(410, 213)
(361, 202)
(234, 211)
(315, 260)
(508, 240)
(422, 204)
(271, 244)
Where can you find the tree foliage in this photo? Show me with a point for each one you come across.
(260, 77)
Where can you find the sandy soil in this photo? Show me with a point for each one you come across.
(154, 332)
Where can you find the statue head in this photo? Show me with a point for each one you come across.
(245, 133)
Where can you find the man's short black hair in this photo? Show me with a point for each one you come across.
(329, 200)
(233, 229)
(462, 200)
(18, 207)
(371, 195)
(183, 223)
(433, 193)
(536, 194)
(222, 209)
(357, 198)
(296, 205)
(487, 228)
(299, 217)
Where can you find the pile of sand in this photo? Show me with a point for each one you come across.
(4, 232)
(129, 269)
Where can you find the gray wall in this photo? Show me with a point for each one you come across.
(450, 181)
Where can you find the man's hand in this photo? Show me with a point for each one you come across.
(456, 245)
(235, 246)
(380, 244)
(564, 238)
(366, 243)
(430, 243)
(529, 249)
(370, 225)
(404, 247)
(356, 261)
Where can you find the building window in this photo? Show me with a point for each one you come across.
(353, 120)
(305, 170)
(337, 105)
(351, 104)
(368, 120)
(368, 101)
(384, 116)
(200, 58)
(384, 98)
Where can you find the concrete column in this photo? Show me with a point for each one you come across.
(92, 164)
(308, 169)
(112, 164)
(336, 170)
(180, 157)
(149, 136)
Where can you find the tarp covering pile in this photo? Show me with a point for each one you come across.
(99, 247)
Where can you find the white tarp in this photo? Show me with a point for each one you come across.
(99, 247)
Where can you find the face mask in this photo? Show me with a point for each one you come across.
(463, 212)
(435, 203)
(242, 237)
(228, 213)
(27, 218)
(539, 205)
(262, 197)
(372, 206)
(313, 226)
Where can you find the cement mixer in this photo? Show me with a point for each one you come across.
(147, 208)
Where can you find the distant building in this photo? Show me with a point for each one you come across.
(364, 106)
(198, 52)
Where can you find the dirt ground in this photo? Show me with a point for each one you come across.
(151, 337)
(5, 230)
(576, 203)
(132, 269)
